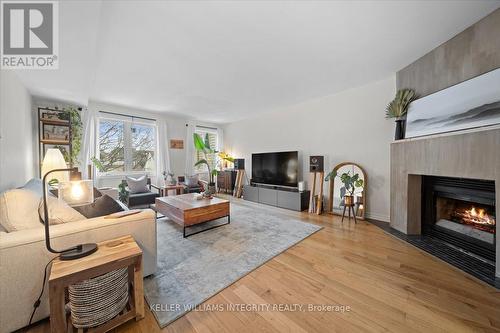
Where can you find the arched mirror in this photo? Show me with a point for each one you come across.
(347, 179)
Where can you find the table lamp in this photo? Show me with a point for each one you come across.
(74, 191)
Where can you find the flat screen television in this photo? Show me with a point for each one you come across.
(280, 168)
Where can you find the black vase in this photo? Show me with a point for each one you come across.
(400, 129)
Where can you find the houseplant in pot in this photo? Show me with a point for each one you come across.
(210, 160)
(397, 109)
(351, 183)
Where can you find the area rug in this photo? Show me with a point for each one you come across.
(193, 269)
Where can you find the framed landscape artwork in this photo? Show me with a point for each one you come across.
(470, 104)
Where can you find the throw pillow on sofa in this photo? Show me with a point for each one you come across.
(19, 210)
(60, 211)
(103, 206)
(137, 185)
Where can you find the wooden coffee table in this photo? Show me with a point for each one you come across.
(185, 210)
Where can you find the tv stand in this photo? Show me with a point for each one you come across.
(283, 197)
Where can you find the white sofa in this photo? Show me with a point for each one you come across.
(23, 257)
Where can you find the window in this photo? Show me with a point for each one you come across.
(126, 146)
(213, 139)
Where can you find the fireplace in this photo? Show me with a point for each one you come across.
(461, 212)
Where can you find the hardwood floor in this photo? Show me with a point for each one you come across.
(388, 285)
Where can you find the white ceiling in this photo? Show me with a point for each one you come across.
(222, 61)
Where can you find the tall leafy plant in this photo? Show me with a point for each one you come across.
(398, 107)
(209, 154)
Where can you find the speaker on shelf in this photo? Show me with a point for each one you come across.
(239, 164)
(316, 163)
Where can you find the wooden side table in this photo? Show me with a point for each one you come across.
(179, 189)
(110, 255)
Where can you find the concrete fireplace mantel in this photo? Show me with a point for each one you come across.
(474, 154)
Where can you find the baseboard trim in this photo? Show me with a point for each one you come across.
(378, 217)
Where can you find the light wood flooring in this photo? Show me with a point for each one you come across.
(388, 284)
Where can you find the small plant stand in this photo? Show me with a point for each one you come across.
(349, 207)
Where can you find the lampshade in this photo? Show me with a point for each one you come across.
(54, 159)
(76, 192)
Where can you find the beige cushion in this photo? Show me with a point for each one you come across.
(61, 212)
(19, 210)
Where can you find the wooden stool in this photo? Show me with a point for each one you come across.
(111, 255)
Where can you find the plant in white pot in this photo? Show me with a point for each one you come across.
(398, 108)
(210, 160)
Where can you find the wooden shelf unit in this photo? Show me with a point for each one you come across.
(43, 143)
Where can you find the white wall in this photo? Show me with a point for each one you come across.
(17, 131)
(349, 126)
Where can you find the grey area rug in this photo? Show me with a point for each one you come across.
(193, 269)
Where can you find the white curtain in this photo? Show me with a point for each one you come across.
(89, 121)
(190, 148)
(220, 139)
(163, 160)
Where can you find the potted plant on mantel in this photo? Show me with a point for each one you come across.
(204, 147)
(398, 108)
(350, 184)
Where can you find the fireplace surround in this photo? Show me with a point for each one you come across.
(468, 155)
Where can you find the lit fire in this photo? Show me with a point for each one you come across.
(477, 218)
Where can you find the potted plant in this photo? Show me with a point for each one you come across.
(398, 108)
(210, 160)
(351, 183)
(168, 177)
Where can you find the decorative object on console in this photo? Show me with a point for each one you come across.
(76, 192)
(210, 160)
(470, 104)
(349, 193)
(398, 108)
(316, 163)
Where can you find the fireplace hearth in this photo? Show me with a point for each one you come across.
(461, 212)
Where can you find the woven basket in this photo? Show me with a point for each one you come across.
(95, 301)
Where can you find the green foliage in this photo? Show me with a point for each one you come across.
(97, 163)
(123, 193)
(72, 113)
(399, 105)
(350, 182)
(204, 147)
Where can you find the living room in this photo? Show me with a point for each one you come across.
(199, 166)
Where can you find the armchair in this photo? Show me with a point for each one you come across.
(137, 200)
(191, 188)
